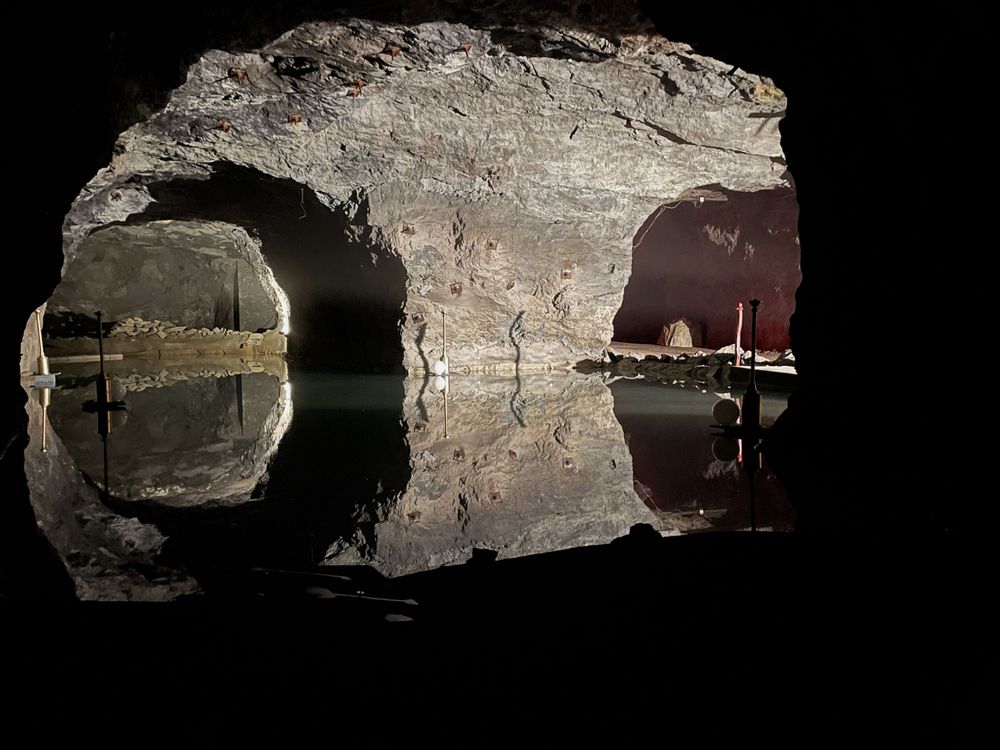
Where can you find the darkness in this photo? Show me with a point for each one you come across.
(872, 626)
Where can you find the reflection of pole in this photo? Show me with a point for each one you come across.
(103, 387)
(104, 439)
(444, 358)
(751, 399)
(44, 394)
(239, 399)
(446, 411)
(751, 466)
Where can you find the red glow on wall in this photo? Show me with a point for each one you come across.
(698, 261)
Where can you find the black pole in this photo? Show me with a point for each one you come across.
(236, 298)
(103, 388)
(100, 341)
(751, 399)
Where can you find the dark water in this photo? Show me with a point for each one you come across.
(245, 470)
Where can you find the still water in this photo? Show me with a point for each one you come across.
(244, 470)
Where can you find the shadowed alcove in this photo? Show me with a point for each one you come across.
(695, 260)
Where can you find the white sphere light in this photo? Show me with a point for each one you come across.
(440, 367)
(440, 383)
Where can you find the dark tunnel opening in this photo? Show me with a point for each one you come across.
(346, 290)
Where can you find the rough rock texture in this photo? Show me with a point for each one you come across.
(181, 441)
(181, 271)
(529, 465)
(683, 333)
(508, 168)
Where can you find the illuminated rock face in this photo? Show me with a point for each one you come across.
(183, 272)
(507, 168)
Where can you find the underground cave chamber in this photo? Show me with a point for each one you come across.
(274, 298)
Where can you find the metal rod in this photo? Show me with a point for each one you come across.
(444, 339)
(100, 341)
(236, 298)
(446, 411)
(239, 400)
(104, 439)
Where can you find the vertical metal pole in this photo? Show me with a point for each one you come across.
(236, 298)
(751, 399)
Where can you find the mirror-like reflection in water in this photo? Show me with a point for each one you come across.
(186, 438)
(366, 471)
(678, 474)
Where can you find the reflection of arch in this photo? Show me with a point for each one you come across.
(346, 289)
(697, 261)
(190, 436)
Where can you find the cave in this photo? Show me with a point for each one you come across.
(694, 261)
(466, 206)
(391, 221)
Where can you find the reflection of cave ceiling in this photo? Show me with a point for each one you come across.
(508, 172)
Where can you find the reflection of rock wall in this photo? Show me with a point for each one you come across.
(510, 178)
(108, 556)
(527, 467)
(180, 442)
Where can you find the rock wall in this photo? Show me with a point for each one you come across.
(507, 167)
(528, 465)
(179, 271)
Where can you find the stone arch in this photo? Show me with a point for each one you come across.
(696, 259)
(345, 284)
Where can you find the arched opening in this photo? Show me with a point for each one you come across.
(695, 260)
(345, 286)
(206, 450)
